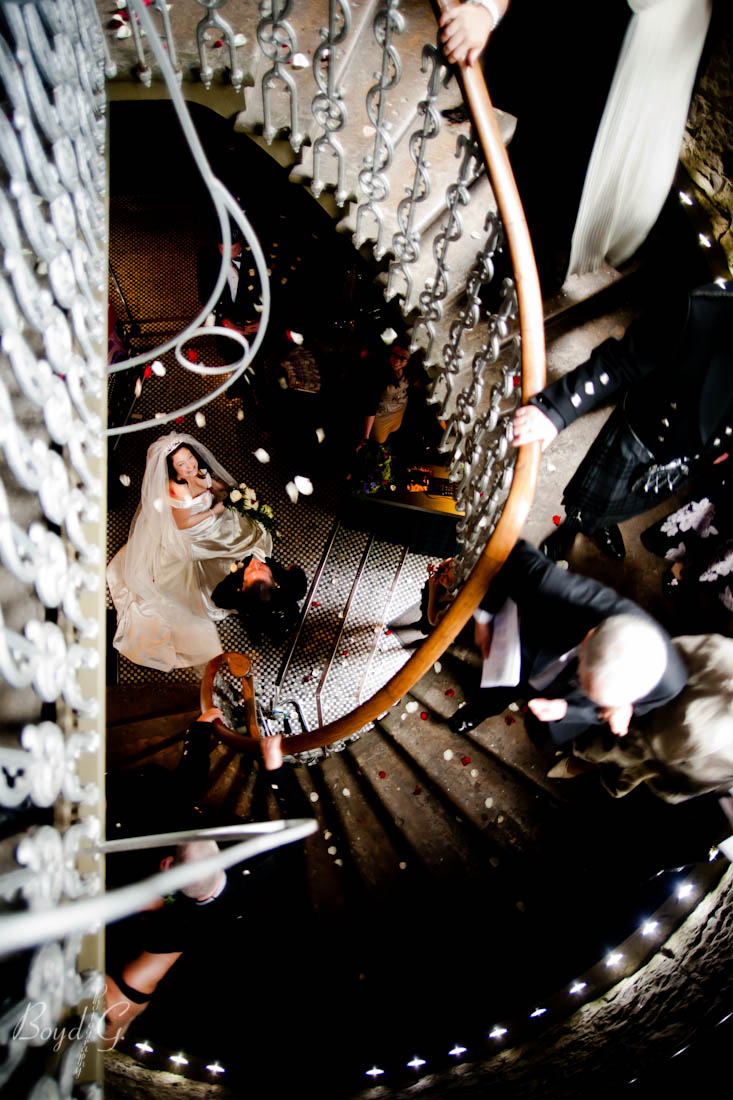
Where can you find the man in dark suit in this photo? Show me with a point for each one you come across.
(672, 376)
(234, 307)
(587, 655)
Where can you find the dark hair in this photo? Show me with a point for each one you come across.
(171, 468)
(265, 609)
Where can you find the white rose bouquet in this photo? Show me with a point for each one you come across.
(244, 500)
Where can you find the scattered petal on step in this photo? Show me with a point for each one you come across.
(448, 754)
(346, 792)
(314, 796)
(465, 760)
(346, 653)
(474, 773)
(339, 862)
(240, 39)
(513, 706)
(315, 671)
(368, 131)
(411, 707)
(557, 520)
(332, 850)
(437, 667)
(327, 834)
(218, 44)
(500, 818)
(403, 716)
(387, 633)
(424, 715)
(488, 803)
(200, 420)
(123, 32)
(261, 454)
(449, 692)
(509, 720)
(418, 789)
(382, 775)
(476, 235)
(300, 61)
(125, 479)
(403, 866)
(551, 467)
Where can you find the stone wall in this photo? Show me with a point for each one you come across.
(707, 151)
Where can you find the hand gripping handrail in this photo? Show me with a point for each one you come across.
(524, 482)
(19, 931)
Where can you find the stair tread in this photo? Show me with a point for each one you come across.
(430, 829)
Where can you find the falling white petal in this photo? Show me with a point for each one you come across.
(320, 435)
(200, 419)
(296, 337)
(157, 368)
(292, 492)
(304, 485)
(210, 321)
(138, 387)
(260, 454)
(300, 61)
(123, 32)
(389, 336)
(411, 707)
(125, 479)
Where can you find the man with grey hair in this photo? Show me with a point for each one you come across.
(587, 656)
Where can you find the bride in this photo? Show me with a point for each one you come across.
(182, 543)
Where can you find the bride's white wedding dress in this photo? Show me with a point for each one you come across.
(163, 598)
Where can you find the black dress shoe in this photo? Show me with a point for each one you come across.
(559, 543)
(610, 542)
(464, 720)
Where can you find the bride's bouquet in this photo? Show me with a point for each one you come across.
(244, 500)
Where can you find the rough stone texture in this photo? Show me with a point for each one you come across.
(642, 1020)
(707, 150)
(124, 1077)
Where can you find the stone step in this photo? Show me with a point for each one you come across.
(367, 843)
(494, 799)
(440, 844)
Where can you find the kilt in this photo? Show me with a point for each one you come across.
(599, 492)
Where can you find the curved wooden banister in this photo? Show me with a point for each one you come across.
(526, 470)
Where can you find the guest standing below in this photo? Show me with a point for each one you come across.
(588, 657)
(182, 542)
(388, 397)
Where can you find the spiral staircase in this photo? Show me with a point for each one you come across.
(455, 907)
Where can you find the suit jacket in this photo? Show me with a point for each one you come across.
(673, 372)
(684, 748)
(207, 271)
(556, 610)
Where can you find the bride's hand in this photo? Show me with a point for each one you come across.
(217, 509)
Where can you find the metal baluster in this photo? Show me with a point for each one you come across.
(406, 241)
(373, 181)
(278, 43)
(218, 23)
(328, 107)
(162, 9)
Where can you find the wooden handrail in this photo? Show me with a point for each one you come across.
(524, 482)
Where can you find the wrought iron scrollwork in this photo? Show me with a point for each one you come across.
(328, 107)
(213, 20)
(388, 21)
(278, 43)
(406, 241)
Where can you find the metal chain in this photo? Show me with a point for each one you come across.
(328, 107)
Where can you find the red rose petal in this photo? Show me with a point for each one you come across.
(148, 373)
(465, 760)
(509, 720)
(218, 44)
(180, 420)
(346, 653)
(382, 775)
(516, 381)
(191, 355)
(557, 520)
(388, 632)
(315, 603)
(418, 789)
(449, 692)
(424, 715)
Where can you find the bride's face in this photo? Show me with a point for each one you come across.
(185, 464)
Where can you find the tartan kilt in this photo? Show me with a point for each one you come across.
(599, 492)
